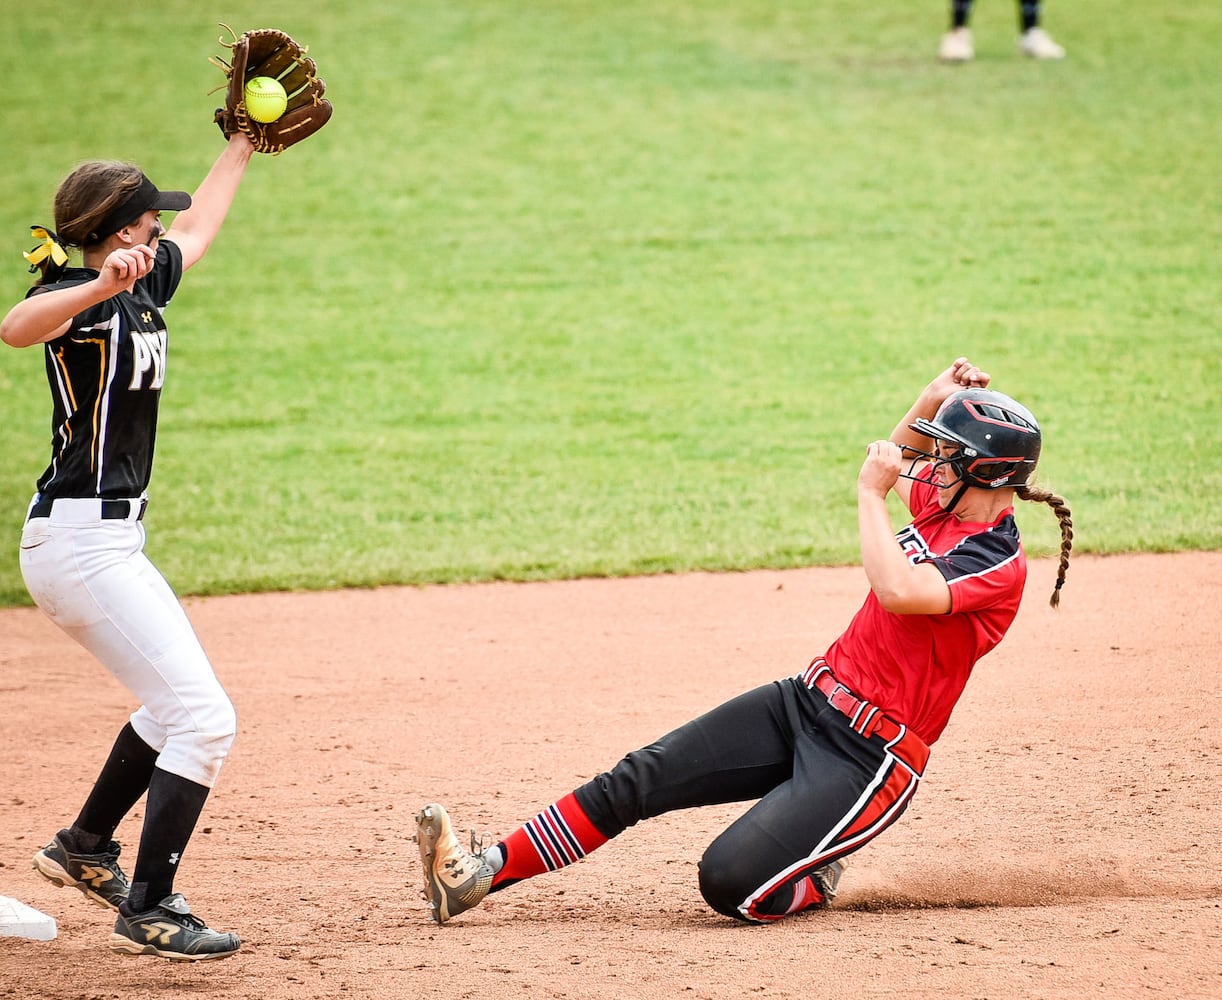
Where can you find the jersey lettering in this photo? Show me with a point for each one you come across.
(148, 354)
(915, 547)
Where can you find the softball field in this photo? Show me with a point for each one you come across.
(1065, 842)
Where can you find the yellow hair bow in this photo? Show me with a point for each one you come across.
(49, 247)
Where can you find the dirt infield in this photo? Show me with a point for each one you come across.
(1064, 844)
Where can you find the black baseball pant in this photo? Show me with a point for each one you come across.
(824, 790)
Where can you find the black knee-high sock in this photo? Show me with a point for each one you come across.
(174, 805)
(124, 778)
(960, 13)
(1029, 14)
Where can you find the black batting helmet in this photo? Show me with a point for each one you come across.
(998, 437)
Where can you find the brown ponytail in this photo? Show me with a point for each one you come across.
(1061, 509)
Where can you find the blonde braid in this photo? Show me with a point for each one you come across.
(1061, 509)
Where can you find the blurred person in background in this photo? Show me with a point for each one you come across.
(1033, 41)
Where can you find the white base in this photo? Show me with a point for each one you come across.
(19, 920)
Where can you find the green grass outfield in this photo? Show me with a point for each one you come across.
(574, 288)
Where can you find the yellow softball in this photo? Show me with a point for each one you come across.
(265, 99)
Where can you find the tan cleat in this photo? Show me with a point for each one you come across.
(827, 878)
(170, 930)
(455, 880)
(97, 875)
(957, 46)
(1038, 44)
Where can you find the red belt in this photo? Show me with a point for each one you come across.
(867, 719)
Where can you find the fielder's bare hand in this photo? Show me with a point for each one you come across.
(122, 268)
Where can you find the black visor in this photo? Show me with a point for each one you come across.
(145, 198)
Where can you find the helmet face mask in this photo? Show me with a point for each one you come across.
(998, 440)
(937, 459)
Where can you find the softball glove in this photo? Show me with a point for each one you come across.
(274, 53)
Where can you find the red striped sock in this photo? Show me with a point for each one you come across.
(557, 837)
(806, 894)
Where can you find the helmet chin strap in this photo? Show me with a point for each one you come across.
(963, 485)
(957, 497)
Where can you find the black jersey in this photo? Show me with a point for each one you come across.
(106, 374)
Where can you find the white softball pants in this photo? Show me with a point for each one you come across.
(91, 577)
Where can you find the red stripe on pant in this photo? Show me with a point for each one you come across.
(894, 785)
(883, 808)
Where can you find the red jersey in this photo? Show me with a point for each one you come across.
(915, 667)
